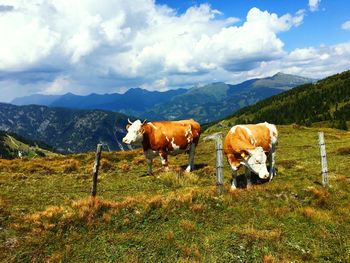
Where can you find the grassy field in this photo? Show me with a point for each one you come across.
(14, 146)
(46, 214)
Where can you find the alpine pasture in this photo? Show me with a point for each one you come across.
(47, 214)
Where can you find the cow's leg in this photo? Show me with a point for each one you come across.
(164, 159)
(234, 178)
(149, 164)
(191, 158)
(248, 175)
(272, 162)
(234, 167)
(149, 158)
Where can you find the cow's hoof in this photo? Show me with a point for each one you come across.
(146, 174)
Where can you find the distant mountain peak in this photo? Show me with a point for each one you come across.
(69, 94)
(280, 74)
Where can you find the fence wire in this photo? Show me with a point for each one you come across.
(302, 156)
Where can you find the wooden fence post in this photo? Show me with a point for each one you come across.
(219, 160)
(323, 159)
(95, 170)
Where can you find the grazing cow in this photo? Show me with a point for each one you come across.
(163, 138)
(250, 145)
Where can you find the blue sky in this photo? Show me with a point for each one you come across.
(321, 27)
(106, 46)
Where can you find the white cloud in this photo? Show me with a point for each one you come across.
(159, 85)
(313, 5)
(346, 25)
(310, 62)
(58, 86)
(88, 46)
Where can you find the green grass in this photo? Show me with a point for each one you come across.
(28, 149)
(47, 215)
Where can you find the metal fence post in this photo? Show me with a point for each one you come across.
(219, 160)
(323, 159)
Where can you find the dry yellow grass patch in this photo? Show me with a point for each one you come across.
(257, 234)
(176, 178)
(71, 166)
(269, 259)
(316, 215)
(140, 159)
(197, 208)
(156, 202)
(187, 225)
(18, 176)
(208, 170)
(321, 195)
(192, 252)
(106, 165)
(123, 166)
(170, 236)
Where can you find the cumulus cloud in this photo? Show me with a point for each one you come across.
(313, 5)
(310, 62)
(111, 45)
(346, 25)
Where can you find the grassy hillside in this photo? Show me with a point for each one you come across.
(327, 100)
(11, 144)
(46, 214)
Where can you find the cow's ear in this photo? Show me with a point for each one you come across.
(142, 130)
(127, 126)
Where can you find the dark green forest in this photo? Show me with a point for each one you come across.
(327, 100)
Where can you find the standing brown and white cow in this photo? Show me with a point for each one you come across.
(163, 138)
(250, 145)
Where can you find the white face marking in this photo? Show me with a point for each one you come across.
(256, 162)
(134, 135)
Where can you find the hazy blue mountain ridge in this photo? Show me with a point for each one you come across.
(67, 130)
(204, 103)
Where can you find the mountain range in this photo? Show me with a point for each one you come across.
(71, 123)
(67, 130)
(205, 103)
(325, 102)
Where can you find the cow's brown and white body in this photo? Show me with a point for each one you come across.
(163, 138)
(250, 145)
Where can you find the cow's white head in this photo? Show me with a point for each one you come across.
(135, 132)
(256, 162)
